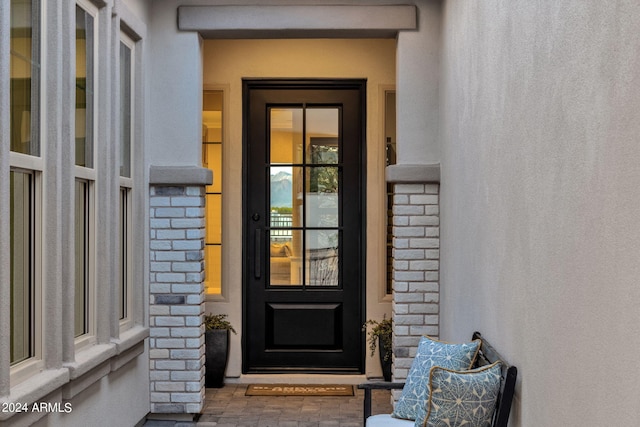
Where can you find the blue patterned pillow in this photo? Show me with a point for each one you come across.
(461, 398)
(415, 393)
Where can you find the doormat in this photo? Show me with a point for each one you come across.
(299, 390)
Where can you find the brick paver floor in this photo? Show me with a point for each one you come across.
(229, 407)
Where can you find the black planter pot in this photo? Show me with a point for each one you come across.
(386, 364)
(216, 356)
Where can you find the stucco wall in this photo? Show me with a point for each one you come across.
(540, 199)
(119, 399)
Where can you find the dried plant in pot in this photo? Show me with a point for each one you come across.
(216, 339)
(380, 336)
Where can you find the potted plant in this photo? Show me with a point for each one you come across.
(216, 339)
(381, 335)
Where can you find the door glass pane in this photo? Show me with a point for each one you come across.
(322, 196)
(285, 135)
(321, 257)
(25, 76)
(304, 196)
(21, 272)
(84, 88)
(322, 135)
(285, 254)
(286, 191)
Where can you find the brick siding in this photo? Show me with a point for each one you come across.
(416, 264)
(176, 299)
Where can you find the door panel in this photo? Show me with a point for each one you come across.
(304, 222)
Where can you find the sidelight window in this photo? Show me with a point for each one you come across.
(390, 149)
(212, 141)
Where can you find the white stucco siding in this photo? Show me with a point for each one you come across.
(139, 8)
(120, 399)
(540, 199)
(418, 90)
(175, 92)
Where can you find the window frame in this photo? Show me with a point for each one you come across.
(225, 90)
(90, 176)
(20, 371)
(127, 185)
(32, 164)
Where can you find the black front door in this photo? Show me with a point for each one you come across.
(303, 226)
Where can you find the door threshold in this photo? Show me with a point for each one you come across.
(297, 379)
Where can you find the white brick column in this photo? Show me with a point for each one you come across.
(416, 263)
(176, 306)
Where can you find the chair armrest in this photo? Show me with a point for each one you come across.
(374, 385)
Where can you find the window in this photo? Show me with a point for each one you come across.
(84, 88)
(82, 257)
(25, 190)
(22, 272)
(126, 181)
(85, 175)
(390, 146)
(25, 77)
(67, 179)
(212, 159)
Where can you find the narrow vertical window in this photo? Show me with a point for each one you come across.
(85, 174)
(390, 146)
(126, 177)
(125, 110)
(22, 283)
(84, 88)
(81, 257)
(123, 296)
(26, 167)
(25, 77)
(212, 158)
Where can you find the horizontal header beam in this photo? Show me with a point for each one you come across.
(292, 21)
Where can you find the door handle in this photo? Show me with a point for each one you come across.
(258, 253)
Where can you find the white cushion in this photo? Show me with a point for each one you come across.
(386, 420)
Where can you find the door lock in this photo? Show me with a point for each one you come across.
(255, 216)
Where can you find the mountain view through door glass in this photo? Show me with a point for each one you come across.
(304, 197)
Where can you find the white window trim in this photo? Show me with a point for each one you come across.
(89, 338)
(90, 176)
(127, 183)
(21, 371)
(25, 369)
(127, 321)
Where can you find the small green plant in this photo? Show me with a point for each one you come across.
(381, 330)
(217, 321)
